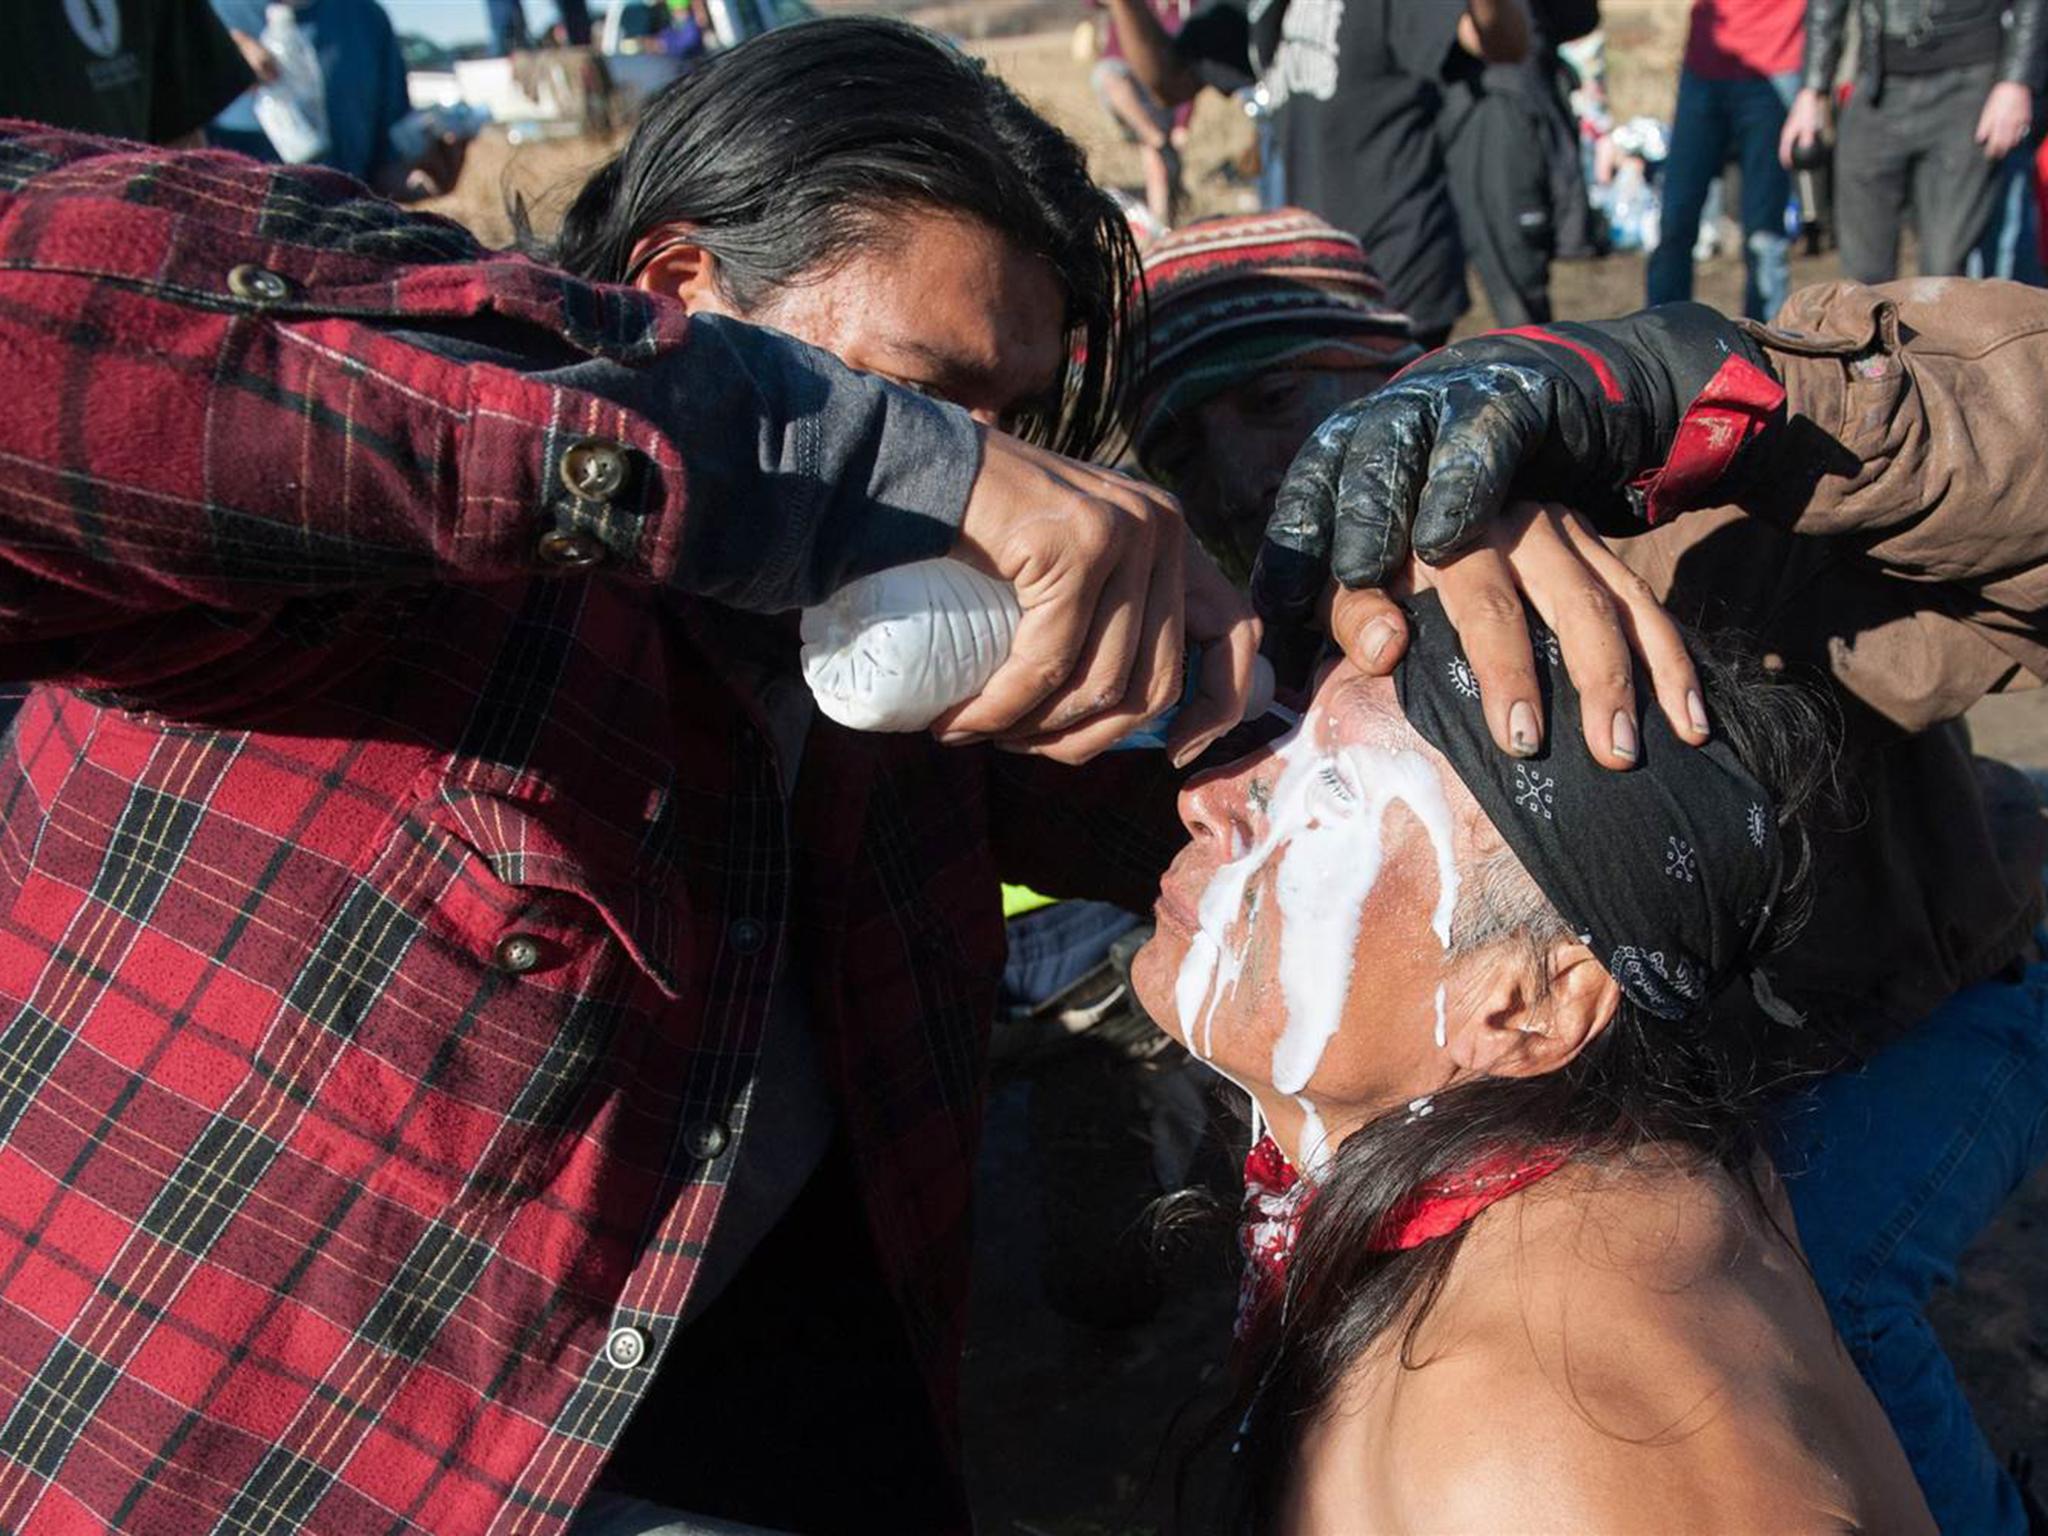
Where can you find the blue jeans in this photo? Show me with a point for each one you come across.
(1893, 1170)
(1716, 120)
(1054, 947)
(620, 1514)
(2011, 247)
(507, 20)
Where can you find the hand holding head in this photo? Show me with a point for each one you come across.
(1627, 423)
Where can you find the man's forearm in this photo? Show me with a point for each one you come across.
(246, 422)
(2023, 58)
(1149, 52)
(1825, 34)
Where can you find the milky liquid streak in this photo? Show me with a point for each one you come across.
(1316, 1150)
(1324, 816)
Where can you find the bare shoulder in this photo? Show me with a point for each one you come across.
(1648, 1358)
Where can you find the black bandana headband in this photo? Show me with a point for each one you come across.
(1667, 870)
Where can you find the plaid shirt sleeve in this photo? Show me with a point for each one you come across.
(377, 1038)
(237, 387)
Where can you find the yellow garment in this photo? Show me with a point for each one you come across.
(1018, 899)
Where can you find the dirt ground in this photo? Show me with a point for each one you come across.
(1065, 1423)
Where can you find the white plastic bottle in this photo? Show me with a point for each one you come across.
(895, 650)
(293, 107)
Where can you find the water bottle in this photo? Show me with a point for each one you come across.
(895, 650)
(293, 107)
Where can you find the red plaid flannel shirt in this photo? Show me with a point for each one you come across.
(394, 870)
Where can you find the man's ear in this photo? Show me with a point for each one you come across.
(667, 260)
(1510, 1030)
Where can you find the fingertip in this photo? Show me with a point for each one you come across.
(1381, 646)
(1622, 747)
(1371, 630)
(1525, 729)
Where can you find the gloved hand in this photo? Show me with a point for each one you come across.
(1626, 421)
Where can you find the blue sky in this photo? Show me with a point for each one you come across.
(462, 21)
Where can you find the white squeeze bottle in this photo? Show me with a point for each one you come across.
(293, 107)
(895, 650)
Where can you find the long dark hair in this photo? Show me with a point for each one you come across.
(794, 149)
(1694, 1087)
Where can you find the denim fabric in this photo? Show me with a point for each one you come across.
(1717, 119)
(620, 1514)
(508, 23)
(2011, 247)
(1893, 1170)
(1054, 947)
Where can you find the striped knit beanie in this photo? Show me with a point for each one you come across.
(1236, 296)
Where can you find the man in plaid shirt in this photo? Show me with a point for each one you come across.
(409, 866)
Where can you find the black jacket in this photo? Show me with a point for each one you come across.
(1932, 25)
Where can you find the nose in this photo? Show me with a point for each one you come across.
(1215, 807)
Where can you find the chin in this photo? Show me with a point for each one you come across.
(1153, 970)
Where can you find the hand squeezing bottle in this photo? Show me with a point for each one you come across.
(895, 650)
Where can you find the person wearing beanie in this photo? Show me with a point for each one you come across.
(1260, 325)
(1894, 1168)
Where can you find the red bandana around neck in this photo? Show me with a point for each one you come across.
(1276, 1196)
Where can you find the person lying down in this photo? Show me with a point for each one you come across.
(1518, 1263)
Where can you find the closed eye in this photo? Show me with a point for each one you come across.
(1331, 778)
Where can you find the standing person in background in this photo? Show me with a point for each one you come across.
(363, 71)
(1740, 73)
(1356, 89)
(1944, 91)
(1511, 149)
(155, 70)
(508, 24)
(1157, 129)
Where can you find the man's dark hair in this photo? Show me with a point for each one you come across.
(1692, 1088)
(803, 145)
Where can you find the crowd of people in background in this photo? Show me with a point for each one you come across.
(1931, 126)
(588, 996)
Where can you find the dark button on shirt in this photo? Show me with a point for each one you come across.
(705, 1139)
(569, 551)
(594, 469)
(517, 953)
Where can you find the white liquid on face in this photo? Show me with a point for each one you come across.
(1441, 1036)
(1333, 858)
(1315, 1147)
(1324, 813)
